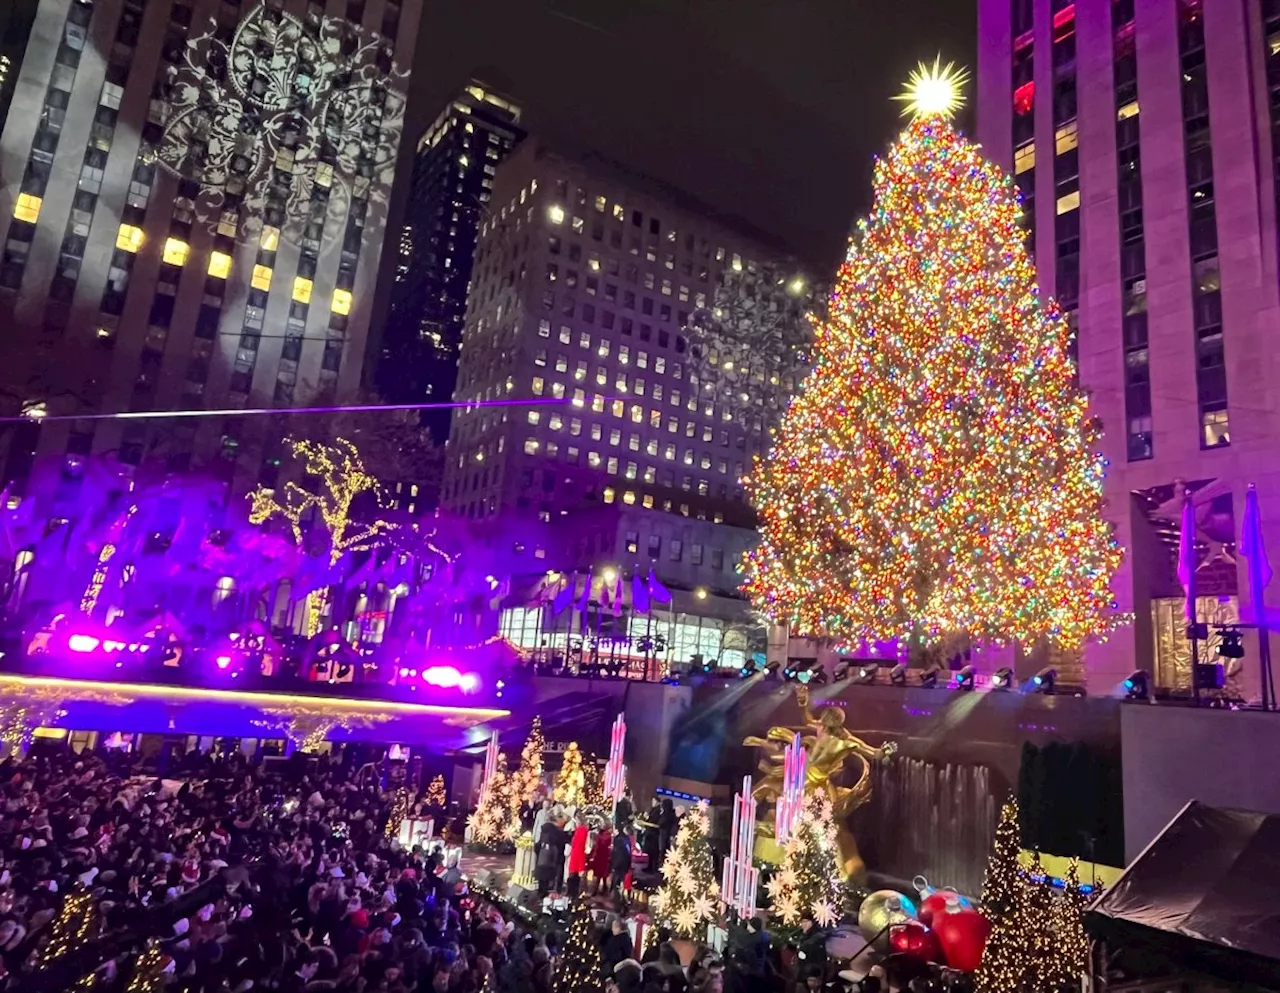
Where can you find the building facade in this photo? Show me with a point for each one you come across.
(192, 206)
(624, 432)
(453, 174)
(1144, 138)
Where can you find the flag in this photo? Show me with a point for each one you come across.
(1187, 557)
(639, 594)
(658, 592)
(617, 595)
(1251, 547)
(564, 596)
(585, 600)
(605, 594)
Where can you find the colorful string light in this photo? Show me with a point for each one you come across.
(937, 471)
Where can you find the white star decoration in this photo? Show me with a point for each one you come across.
(824, 914)
(685, 920)
(787, 909)
(704, 908)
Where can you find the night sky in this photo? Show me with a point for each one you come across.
(768, 109)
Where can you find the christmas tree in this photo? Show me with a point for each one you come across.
(579, 968)
(1073, 942)
(808, 881)
(491, 822)
(528, 776)
(686, 901)
(936, 475)
(436, 799)
(78, 922)
(571, 781)
(398, 812)
(1040, 939)
(592, 781)
(1004, 959)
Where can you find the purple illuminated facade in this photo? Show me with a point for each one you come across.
(1144, 136)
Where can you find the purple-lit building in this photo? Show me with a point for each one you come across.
(1144, 136)
(192, 206)
(585, 280)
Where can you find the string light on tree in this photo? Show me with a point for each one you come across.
(528, 775)
(1073, 941)
(687, 899)
(571, 780)
(436, 797)
(78, 923)
(936, 475)
(808, 881)
(579, 969)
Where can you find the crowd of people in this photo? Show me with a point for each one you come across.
(228, 876)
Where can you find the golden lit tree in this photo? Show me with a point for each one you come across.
(1038, 925)
(808, 881)
(1072, 942)
(571, 780)
(687, 899)
(1004, 959)
(579, 966)
(491, 822)
(342, 482)
(528, 775)
(937, 474)
(436, 798)
(78, 922)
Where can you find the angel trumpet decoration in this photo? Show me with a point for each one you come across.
(830, 745)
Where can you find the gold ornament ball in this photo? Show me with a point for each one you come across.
(879, 911)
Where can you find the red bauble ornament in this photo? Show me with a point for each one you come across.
(915, 940)
(934, 904)
(963, 935)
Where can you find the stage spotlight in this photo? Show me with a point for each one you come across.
(1231, 646)
(929, 675)
(748, 669)
(771, 668)
(1002, 679)
(1137, 686)
(842, 670)
(867, 673)
(964, 678)
(1045, 681)
(898, 674)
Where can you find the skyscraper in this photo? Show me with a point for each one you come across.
(589, 283)
(192, 209)
(453, 173)
(1144, 138)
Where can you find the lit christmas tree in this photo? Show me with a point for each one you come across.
(1044, 967)
(1005, 960)
(528, 776)
(571, 780)
(579, 966)
(592, 781)
(436, 799)
(808, 881)
(687, 899)
(491, 822)
(1073, 943)
(936, 475)
(78, 922)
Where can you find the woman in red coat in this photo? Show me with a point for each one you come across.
(577, 858)
(600, 852)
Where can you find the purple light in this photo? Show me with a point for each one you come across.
(223, 661)
(83, 643)
(444, 676)
(469, 683)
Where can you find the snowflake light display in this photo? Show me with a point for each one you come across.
(687, 903)
(283, 107)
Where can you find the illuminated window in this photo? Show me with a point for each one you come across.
(270, 239)
(27, 208)
(262, 278)
(219, 265)
(629, 496)
(648, 500)
(555, 214)
(1127, 111)
(341, 303)
(531, 446)
(324, 175)
(609, 494)
(618, 211)
(302, 289)
(1065, 138)
(1068, 203)
(1024, 158)
(129, 238)
(1217, 431)
(175, 251)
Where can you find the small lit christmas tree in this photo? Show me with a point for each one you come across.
(1004, 959)
(937, 474)
(78, 922)
(687, 899)
(808, 881)
(1072, 941)
(491, 822)
(1038, 926)
(579, 966)
(571, 780)
(436, 799)
(528, 775)
(398, 812)
(592, 781)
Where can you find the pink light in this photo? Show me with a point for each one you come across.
(469, 683)
(444, 676)
(83, 643)
(223, 661)
(113, 646)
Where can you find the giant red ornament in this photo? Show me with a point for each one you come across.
(915, 940)
(963, 935)
(934, 903)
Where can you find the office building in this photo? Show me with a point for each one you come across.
(1144, 137)
(587, 283)
(453, 173)
(192, 210)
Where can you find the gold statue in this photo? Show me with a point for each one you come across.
(829, 745)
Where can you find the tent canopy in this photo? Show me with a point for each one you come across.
(1204, 896)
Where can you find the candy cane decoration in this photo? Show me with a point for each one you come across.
(615, 771)
(795, 761)
(490, 767)
(740, 879)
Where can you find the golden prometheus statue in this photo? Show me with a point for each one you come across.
(829, 745)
